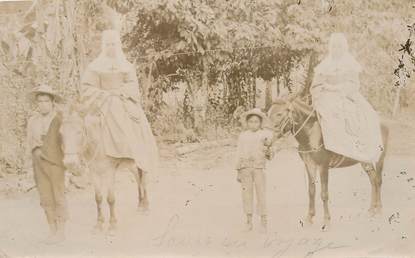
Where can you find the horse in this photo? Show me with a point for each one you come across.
(81, 140)
(299, 119)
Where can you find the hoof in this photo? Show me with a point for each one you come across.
(112, 231)
(326, 226)
(112, 228)
(374, 211)
(308, 221)
(371, 211)
(379, 210)
(263, 229)
(248, 227)
(54, 239)
(142, 208)
(98, 229)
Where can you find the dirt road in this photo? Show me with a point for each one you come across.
(196, 211)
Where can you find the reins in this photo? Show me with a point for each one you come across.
(294, 132)
(85, 136)
(304, 123)
(84, 146)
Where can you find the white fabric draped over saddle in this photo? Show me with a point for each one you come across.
(350, 125)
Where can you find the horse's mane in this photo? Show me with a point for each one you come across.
(297, 106)
(297, 101)
(71, 111)
(302, 106)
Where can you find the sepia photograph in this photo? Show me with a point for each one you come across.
(207, 128)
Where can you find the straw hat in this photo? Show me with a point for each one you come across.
(256, 112)
(45, 89)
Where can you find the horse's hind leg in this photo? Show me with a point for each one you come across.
(375, 181)
(142, 190)
(379, 191)
(311, 175)
(324, 177)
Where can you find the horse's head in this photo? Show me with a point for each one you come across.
(73, 137)
(280, 115)
(290, 116)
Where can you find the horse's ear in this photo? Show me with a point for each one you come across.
(79, 109)
(292, 97)
(69, 108)
(270, 111)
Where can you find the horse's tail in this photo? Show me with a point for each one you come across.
(385, 139)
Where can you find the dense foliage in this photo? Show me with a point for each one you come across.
(199, 61)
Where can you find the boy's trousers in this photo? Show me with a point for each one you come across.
(50, 182)
(251, 178)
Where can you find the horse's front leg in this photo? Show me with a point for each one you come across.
(99, 227)
(324, 178)
(111, 200)
(311, 176)
(143, 202)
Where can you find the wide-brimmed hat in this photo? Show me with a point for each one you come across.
(45, 89)
(255, 112)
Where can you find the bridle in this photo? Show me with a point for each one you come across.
(85, 135)
(289, 120)
(84, 144)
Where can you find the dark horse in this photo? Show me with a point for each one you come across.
(297, 117)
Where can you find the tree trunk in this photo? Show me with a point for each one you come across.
(310, 74)
(287, 82)
(205, 85)
(188, 102)
(278, 86)
(202, 98)
(268, 94)
(148, 83)
(81, 37)
(253, 92)
(39, 43)
(396, 102)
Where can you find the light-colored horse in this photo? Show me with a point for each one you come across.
(82, 142)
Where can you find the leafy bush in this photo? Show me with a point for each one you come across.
(216, 49)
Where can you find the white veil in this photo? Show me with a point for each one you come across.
(103, 62)
(345, 62)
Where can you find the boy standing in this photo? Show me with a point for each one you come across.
(252, 152)
(49, 177)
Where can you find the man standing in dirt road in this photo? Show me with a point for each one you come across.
(49, 177)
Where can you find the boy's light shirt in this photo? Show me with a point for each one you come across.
(251, 148)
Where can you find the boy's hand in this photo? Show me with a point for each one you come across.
(269, 153)
(238, 177)
(268, 141)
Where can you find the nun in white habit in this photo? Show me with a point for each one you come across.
(109, 89)
(350, 125)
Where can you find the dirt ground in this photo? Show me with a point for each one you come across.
(196, 211)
